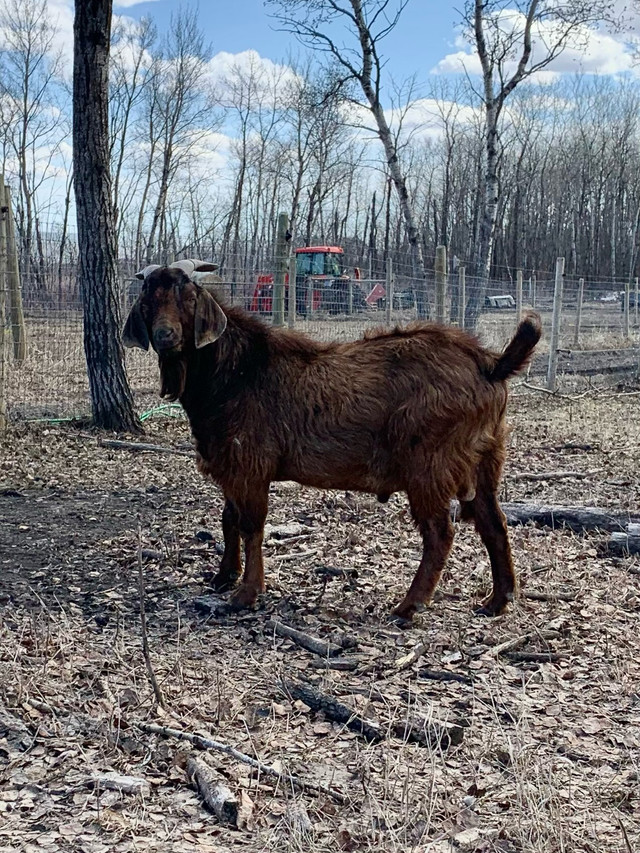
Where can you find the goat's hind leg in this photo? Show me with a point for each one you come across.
(253, 513)
(437, 538)
(230, 565)
(491, 524)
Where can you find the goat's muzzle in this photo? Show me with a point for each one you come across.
(165, 338)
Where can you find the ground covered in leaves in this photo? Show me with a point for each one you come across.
(550, 758)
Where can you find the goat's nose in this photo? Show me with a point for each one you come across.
(164, 338)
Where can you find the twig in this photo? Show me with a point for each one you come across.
(341, 664)
(207, 743)
(627, 843)
(311, 644)
(296, 555)
(143, 628)
(408, 660)
(515, 642)
(140, 447)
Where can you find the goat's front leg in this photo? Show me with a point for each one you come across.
(230, 565)
(253, 513)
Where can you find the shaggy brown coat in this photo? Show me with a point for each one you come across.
(419, 409)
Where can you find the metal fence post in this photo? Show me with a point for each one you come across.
(580, 299)
(555, 326)
(3, 303)
(441, 282)
(293, 295)
(627, 307)
(532, 295)
(389, 287)
(280, 269)
(462, 296)
(518, 295)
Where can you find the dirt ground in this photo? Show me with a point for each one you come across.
(550, 758)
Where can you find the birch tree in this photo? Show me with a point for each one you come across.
(360, 58)
(503, 34)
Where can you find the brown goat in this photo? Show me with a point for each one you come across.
(419, 410)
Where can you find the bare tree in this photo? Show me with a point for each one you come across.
(30, 90)
(504, 42)
(368, 22)
(112, 403)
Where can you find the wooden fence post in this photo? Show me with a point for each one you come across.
(462, 296)
(441, 282)
(627, 307)
(293, 295)
(555, 326)
(282, 252)
(580, 299)
(3, 303)
(16, 314)
(518, 295)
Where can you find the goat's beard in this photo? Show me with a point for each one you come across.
(173, 373)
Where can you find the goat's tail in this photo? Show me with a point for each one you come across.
(520, 349)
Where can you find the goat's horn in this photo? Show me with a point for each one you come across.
(145, 272)
(191, 265)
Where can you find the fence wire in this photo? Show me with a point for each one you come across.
(337, 303)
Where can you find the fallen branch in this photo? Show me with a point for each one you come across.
(217, 797)
(577, 518)
(141, 447)
(425, 732)
(534, 657)
(622, 544)
(116, 782)
(266, 769)
(311, 644)
(534, 595)
(516, 642)
(444, 675)
(554, 475)
(408, 660)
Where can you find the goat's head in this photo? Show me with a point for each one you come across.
(173, 313)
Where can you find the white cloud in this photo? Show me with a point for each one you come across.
(125, 4)
(228, 71)
(589, 50)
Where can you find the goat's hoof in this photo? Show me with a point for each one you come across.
(490, 608)
(223, 582)
(403, 614)
(243, 598)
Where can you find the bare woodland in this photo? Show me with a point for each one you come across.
(295, 137)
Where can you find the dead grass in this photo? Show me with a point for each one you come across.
(551, 753)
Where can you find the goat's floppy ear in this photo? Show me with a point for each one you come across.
(210, 321)
(135, 330)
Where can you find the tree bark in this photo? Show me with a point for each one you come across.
(111, 399)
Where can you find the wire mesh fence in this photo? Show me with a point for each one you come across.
(332, 300)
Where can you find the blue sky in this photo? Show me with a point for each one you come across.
(424, 35)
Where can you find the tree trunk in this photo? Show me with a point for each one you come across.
(111, 399)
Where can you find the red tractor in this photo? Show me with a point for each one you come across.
(321, 283)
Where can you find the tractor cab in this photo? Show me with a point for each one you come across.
(321, 284)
